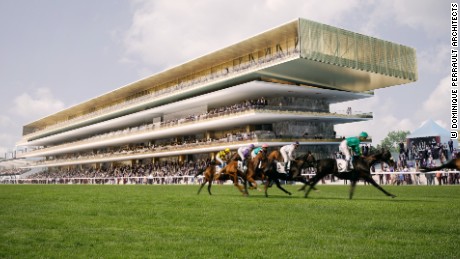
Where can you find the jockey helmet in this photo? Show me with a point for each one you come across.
(227, 150)
(251, 146)
(264, 145)
(296, 143)
(363, 134)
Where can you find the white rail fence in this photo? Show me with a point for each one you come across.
(416, 178)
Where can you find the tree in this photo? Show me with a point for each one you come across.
(393, 138)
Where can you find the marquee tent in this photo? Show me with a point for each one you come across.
(430, 131)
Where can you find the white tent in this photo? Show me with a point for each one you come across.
(431, 129)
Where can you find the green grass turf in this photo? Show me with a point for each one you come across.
(85, 221)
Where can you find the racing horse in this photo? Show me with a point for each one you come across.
(451, 164)
(231, 172)
(361, 170)
(210, 174)
(255, 170)
(295, 174)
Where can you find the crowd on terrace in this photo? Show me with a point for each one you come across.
(259, 103)
(162, 147)
(164, 172)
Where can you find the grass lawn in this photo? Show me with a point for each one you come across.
(87, 221)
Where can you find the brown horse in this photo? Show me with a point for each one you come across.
(231, 170)
(209, 175)
(275, 155)
(362, 170)
(255, 170)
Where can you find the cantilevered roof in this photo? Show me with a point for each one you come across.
(327, 57)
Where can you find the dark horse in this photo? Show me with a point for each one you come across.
(451, 164)
(295, 174)
(362, 170)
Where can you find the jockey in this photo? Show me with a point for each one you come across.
(222, 157)
(256, 151)
(353, 144)
(244, 153)
(288, 153)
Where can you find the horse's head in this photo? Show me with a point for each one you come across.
(260, 160)
(306, 161)
(383, 155)
(262, 155)
(234, 157)
(274, 155)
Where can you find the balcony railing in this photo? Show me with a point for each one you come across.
(183, 86)
(188, 121)
(158, 151)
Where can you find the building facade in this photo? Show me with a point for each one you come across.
(273, 88)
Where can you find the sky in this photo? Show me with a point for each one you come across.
(55, 54)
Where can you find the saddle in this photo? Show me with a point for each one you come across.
(280, 168)
(342, 165)
(241, 167)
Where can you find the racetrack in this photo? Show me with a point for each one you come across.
(88, 221)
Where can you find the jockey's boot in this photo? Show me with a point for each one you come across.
(350, 165)
(286, 167)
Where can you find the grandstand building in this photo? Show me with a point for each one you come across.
(275, 87)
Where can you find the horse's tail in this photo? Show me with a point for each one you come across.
(200, 172)
(431, 169)
(451, 165)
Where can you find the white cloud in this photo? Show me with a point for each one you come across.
(427, 16)
(6, 143)
(437, 104)
(434, 59)
(414, 13)
(6, 121)
(168, 33)
(40, 103)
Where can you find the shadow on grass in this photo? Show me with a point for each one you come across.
(344, 198)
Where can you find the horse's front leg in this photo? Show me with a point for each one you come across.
(304, 181)
(370, 180)
(278, 184)
(267, 182)
(209, 185)
(237, 185)
(253, 182)
(202, 185)
(312, 183)
(303, 187)
(352, 188)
